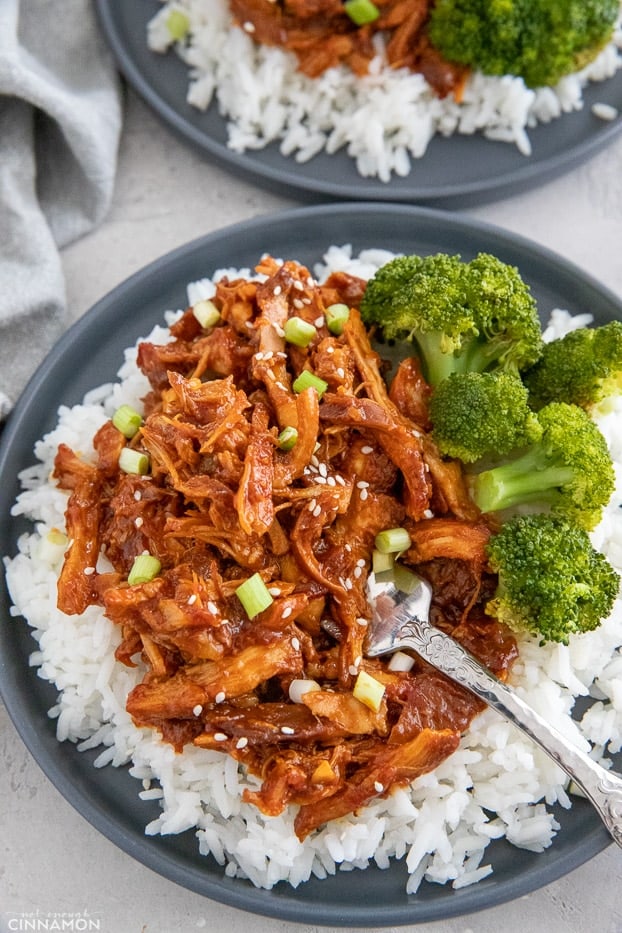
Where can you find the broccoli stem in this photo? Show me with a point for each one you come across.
(529, 478)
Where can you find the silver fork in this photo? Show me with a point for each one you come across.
(401, 620)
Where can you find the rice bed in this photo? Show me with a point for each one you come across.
(497, 784)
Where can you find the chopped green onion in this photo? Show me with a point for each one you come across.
(144, 569)
(307, 380)
(404, 580)
(400, 661)
(336, 317)
(206, 313)
(127, 420)
(133, 461)
(254, 595)
(53, 546)
(392, 540)
(287, 438)
(299, 332)
(369, 691)
(299, 686)
(177, 24)
(361, 11)
(382, 562)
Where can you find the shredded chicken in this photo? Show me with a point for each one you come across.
(222, 501)
(322, 35)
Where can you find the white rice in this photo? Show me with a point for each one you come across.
(497, 784)
(383, 120)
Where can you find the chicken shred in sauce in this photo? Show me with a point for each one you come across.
(222, 502)
(322, 35)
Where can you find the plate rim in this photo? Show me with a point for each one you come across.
(259, 901)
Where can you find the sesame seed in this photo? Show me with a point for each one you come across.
(286, 612)
(317, 511)
(378, 787)
(297, 303)
(192, 599)
(331, 481)
(278, 329)
(353, 670)
(321, 481)
(314, 460)
(348, 583)
(348, 547)
(299, 286)
(274, 591)
(310, 281)
(197, 710)
(364, 495)
(319, 321)
(212, 607)
(89, 571)
(268, 355)
(249, 27)
(296, 644)
(281, 386)
(428, 513)
(339, 479)
(357, 572)
(330, 349)
(287, 730)
(277, 290)
(259, 357)
(138, 495)
(362, 484)
(242, 742)
(361, 562)
(139, 522)
(220, 697)
(312, 504)
(361, 621)
(341, 372)
(220, 737)
(367, 449)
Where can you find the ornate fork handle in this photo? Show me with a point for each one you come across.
(604, 788)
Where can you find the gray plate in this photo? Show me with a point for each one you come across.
(90, 354)
(455, 172)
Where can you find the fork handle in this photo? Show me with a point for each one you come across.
(602, 787)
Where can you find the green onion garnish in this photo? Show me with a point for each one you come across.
(392, 540)
(287, 438)
(336, 317)
(361, 11)
(206, 313)
(133, 461)
(382, 562)
(404, 580)
(144, 569)
(127, 420)
(177, 24)
(254, 595)
(307, 380)
(299, 332)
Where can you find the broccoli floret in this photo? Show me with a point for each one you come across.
(569, 470)
(460, 316)
(552, 582)
(584, 367)
(474, 415)
(538, 40)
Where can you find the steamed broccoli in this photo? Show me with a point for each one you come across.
(461, 316)
(568, 470)
(552, 582)
(474, 415)
(584, 367)
(538, 40)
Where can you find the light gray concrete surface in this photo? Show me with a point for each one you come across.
(51, 860)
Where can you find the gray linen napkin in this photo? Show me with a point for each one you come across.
(60, 121)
